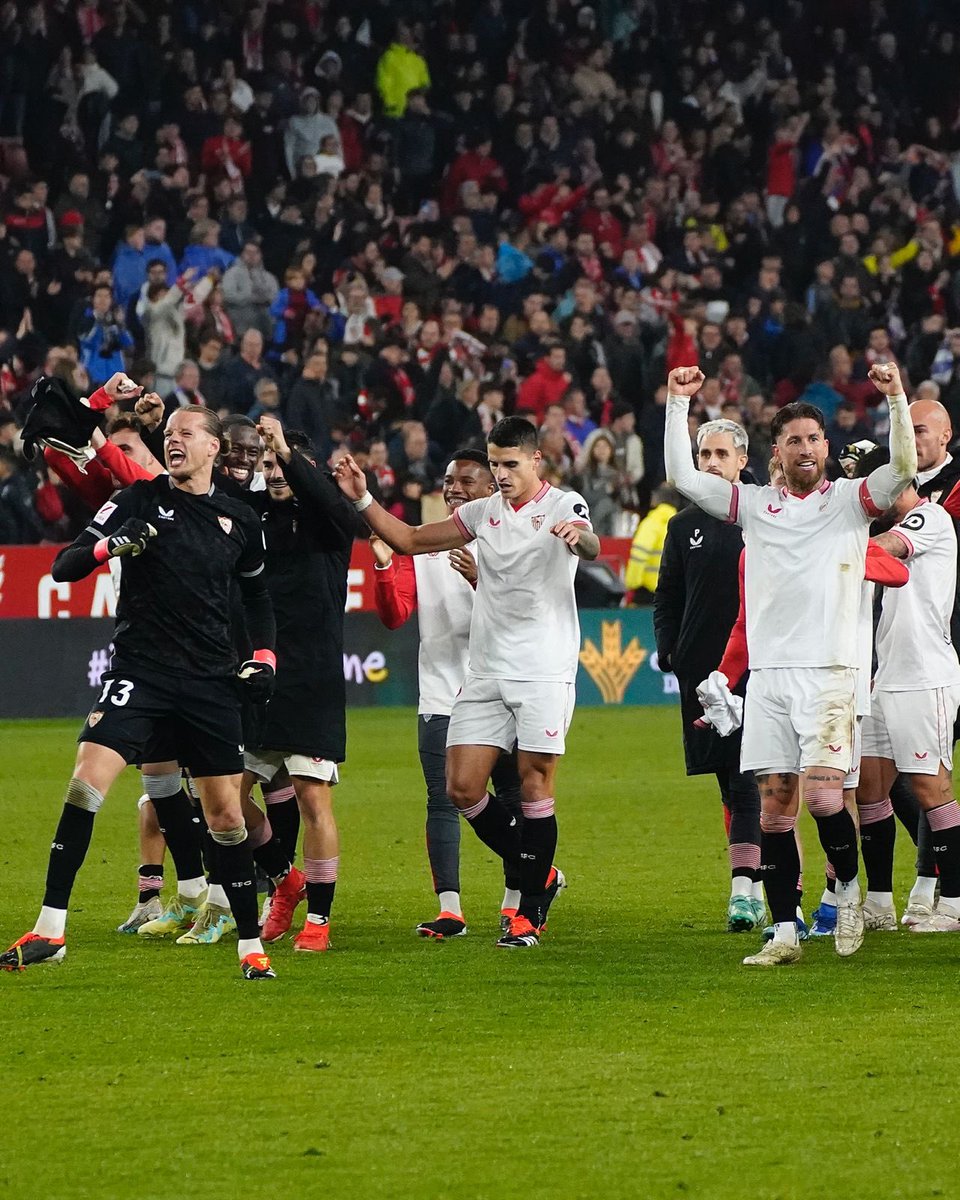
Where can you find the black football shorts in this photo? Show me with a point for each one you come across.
(196, 721)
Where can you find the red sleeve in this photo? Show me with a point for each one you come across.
(883, 567)
(395, 591)
(124, 469)
(94, 488)
(952, 502)
(736, 658)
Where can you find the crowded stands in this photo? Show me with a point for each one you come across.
(390, 224)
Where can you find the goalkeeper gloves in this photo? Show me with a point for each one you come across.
(258, 675)
(129, 540)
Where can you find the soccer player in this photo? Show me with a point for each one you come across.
(694, 609)
(524, 645)
(443, 599)
(174, 670)
(308, 530)
(914, 703)
(807, 548)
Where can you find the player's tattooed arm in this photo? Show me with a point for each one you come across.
(584, 543)
(893, 543)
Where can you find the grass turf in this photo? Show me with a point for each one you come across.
(629, 1056)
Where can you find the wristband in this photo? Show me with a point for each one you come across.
(265, 656)
(101, 551)
(363, 503)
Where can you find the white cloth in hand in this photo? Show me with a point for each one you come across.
(721, 708)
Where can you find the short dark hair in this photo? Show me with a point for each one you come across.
(797, 411)
(238, 421)
(125, 421)
(514, 431)
(471, 455)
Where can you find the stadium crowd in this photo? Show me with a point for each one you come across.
(390, 224)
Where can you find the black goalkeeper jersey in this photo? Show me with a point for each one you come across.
(174, 606)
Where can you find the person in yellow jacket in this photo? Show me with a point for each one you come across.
(399, 71)
(643, 568)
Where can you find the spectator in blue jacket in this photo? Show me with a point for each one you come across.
(204, 253)
(102, 336)
(130, 264)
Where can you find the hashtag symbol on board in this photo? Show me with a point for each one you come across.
(98, 664)
(613, 666)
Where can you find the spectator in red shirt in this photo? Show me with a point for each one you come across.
(782, 167)
(227, 156)
(602, 223)
(547, 385)
(476, 164)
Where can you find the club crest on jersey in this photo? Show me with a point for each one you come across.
(537, 521)
(226, 524)
(94, 719)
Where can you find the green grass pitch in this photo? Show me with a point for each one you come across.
(629, 1056)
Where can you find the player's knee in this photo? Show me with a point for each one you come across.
(776, 822)
(83, 795)
(464, 792)
(158, 787)
(824, 799)
(232, 836)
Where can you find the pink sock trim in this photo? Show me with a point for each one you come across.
(534, 810)
(151, 883)
(475, 809)
(831, 871)
(870, 814)
(777, 823)
(824, 800)
(281, 795)
(944, 816)
(321, 870)
(261, 835)
(745, 854)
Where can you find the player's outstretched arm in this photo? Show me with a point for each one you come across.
(89, 551)
(405, 539)
(886, 483)
(715, 496)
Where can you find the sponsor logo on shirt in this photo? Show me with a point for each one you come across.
(773, 511)
(226, 524)
(493, 523)
(104, 512)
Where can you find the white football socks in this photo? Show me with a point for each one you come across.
(450, 903)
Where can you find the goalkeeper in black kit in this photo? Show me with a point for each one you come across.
(182, 542)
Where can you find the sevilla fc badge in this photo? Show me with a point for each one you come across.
(94, 718)
(225, 524)
(537, 521)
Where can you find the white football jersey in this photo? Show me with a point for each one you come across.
(804, 570)
(865, 649)
(444, 609)
(914, 650)
(525, 624)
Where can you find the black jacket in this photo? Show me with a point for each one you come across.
(694, 609)
(308, 542)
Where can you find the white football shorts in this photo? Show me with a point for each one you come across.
(499, 712)
(799, 717)
(852, 777)
(913, 729)
(266, 763)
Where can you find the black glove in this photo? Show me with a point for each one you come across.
(130, 539)
(258, 679)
